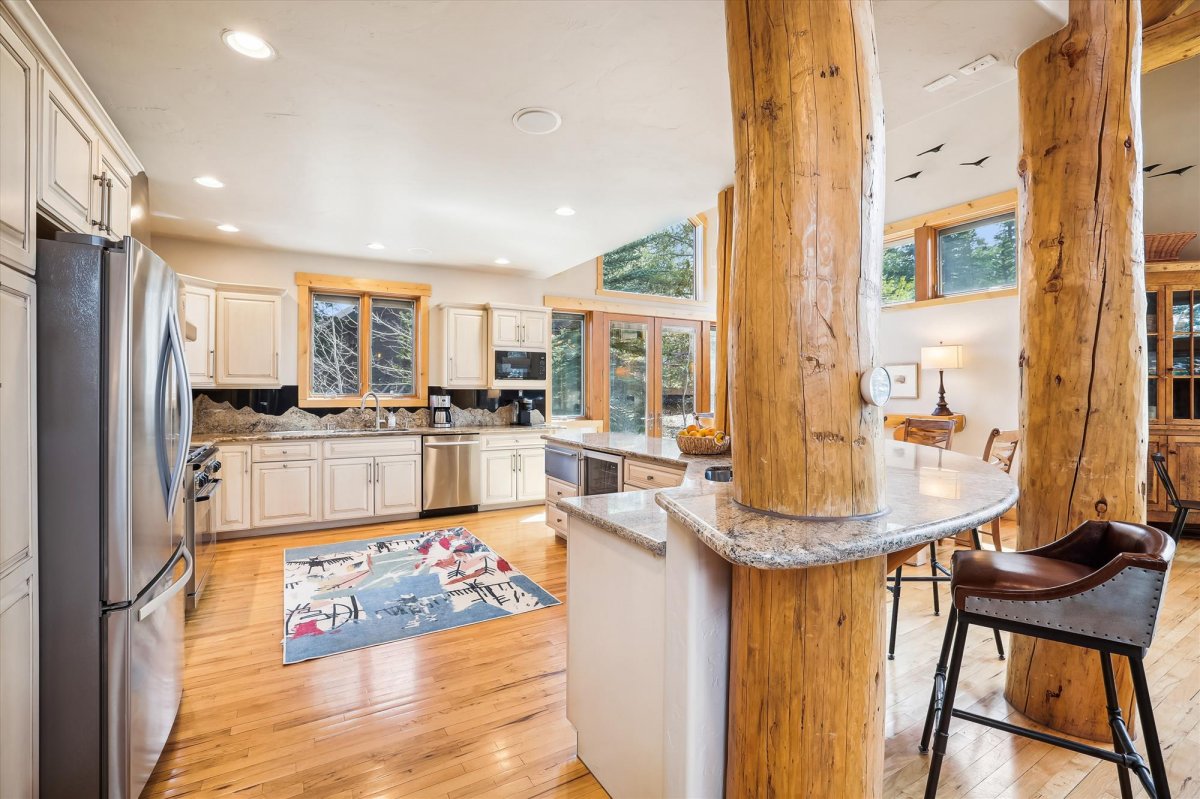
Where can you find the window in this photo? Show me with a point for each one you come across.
(900, 271)
(361, 336)
(663, 264)
(568, 360)
(977, 256)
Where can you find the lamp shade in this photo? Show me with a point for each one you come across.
(943, 356)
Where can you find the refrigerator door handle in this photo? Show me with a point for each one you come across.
(176, 587)
(185, 409)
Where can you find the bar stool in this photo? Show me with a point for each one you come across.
(1099, 587)
(1182, 506)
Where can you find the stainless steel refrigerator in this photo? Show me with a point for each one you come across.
(114, 422)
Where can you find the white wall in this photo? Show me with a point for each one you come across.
(986, 388)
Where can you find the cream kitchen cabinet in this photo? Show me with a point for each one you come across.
(499, 477)
(519, 327)
(231, 504)
(112, 194)
(384, 485)
(506, 327)
(397, 485)
(248, 334)
(531, 475)
(285, 492)
(69, 146)
(18, 150)
(460, 354)
(19, 683)
(348, 488)
(200, 312)
(514, 474)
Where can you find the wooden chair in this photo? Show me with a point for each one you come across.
(1000, 450)
(930, 432)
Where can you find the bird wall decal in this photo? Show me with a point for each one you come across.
(913, 176)
(1151, 168)
(978, 163)
(937, 149)
(1179, 171)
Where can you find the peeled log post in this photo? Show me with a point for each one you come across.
(804, 302)
(1083, 322)
(808, 238)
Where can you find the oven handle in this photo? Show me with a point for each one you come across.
(207, 492)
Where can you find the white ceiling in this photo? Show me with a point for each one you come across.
(390, 121)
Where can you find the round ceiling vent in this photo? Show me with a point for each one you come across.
(538, 121)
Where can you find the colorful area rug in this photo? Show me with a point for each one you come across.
(355, 594)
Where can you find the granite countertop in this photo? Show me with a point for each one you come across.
(634, 515)
(289, 435)
(930, 494)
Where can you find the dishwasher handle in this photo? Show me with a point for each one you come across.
(455, 444)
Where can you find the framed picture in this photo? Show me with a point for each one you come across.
(906, 380)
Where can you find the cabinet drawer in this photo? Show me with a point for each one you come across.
(373, 447)
(557, 489)
(509, 440)
(286, 451)
(643, 475)
(556, 519)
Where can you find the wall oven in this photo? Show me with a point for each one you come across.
(528, 365)
(602, 473)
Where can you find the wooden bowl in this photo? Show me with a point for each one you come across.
(702, 445)
(1166, 246)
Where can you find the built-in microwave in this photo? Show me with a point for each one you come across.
(520, 365)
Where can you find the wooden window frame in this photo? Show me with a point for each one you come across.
(364, 289)
(701, 225)
(924, 229)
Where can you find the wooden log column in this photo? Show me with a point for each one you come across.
(1083, 327)
(804, 299)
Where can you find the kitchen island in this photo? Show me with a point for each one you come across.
(652, 577)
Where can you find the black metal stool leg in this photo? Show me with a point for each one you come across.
(933, 571)
(1115, 721)
(995, 632)
(1178, 523)
(1141, 690)
(939, 682)
(895, 612)
(943, 730)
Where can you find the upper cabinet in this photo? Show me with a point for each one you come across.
(200, 345)
(113, 194)
(69, 146)
(249, 331)
(18, 153)
(459, 347)
(519, 327)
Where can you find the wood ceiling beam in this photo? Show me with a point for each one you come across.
(1174, 39)
(1156, 11)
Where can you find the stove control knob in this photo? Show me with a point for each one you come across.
(214, 467)
(202, 480)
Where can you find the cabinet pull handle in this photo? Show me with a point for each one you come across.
(108, 185)
(99, 223)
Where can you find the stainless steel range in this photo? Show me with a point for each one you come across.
(199, 535)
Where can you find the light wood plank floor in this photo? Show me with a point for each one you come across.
(480, 711)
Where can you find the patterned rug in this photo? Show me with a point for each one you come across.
(355, 594)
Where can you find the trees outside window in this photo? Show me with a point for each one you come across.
(567, 358)
(978, 256)
(663, 264)
(899, 272)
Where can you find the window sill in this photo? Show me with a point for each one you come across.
(952, 300)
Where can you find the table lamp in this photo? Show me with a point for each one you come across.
(942, 357)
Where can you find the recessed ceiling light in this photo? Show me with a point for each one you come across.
(419, 251)
(227, 228)
(537, 121)
(940, 83)
(374, 246)
(502, 261)
(565, 210)
(209, 182)
(247, 44)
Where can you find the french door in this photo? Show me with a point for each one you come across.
(653, 373)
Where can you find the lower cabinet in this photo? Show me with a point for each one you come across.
(231, 504)
(18, 683)
(353, 488)
(397, 484)
(1183, 467)
(514, 475)
(285, 493)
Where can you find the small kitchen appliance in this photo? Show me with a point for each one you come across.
(199, 535)
(439, 410)
(524, 410)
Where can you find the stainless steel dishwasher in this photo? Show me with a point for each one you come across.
(451, 471)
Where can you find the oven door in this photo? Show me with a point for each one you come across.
(205, 538)
(602, 473)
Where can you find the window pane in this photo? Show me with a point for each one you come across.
(900, 272)
(393, 346)
(567, 360)
(662, 264)
(629, 355)
(334, 345)
(978, 256)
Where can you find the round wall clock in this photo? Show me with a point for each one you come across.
(876, 386)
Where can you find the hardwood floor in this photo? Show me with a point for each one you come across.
(480, 710)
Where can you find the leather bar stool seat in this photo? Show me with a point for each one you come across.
(1099, 587)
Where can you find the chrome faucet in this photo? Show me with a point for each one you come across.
(362, 406)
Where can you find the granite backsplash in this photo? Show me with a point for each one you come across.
(210, 417)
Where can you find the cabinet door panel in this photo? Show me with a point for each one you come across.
(466, 348)
(347, 487)
(18, 380)
(68, 147)
(506, 328)
(1183, 465)
(531, 474)
(248, 331)
(200, 309)
(1156, 496)
(499, 477)
(285, 493)
(18, 685)
(534, 329)
(18, 150)
(116, 201)
(231, 504)
(397, 484)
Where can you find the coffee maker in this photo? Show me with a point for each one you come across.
(439, 410)
(524, 409)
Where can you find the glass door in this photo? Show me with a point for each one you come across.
(629, 340)
(1185, 327)
(1152, 353)
(678, 353)
(653, 373)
